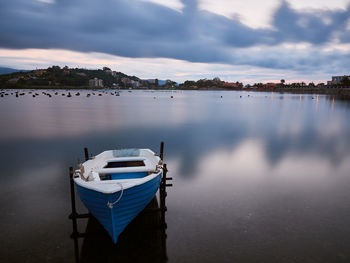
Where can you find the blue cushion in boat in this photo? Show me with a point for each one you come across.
(126, 152)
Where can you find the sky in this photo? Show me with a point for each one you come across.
(248, 41)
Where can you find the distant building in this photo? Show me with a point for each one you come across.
(151, 81)
(134, 83)
(126, 81)
(271, 85)
(95, 82)
(81, 74)
(39, 72)
(338, 79)
(233, 85)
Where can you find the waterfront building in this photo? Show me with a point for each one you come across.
(95, 82)
(339, 79)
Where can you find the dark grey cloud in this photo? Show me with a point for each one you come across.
(142, 29)
(316, 27)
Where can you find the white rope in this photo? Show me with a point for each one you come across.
(110, 205)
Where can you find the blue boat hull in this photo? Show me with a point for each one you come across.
(115, 219)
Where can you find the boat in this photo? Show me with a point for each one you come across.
(116, 185)
(144, 236)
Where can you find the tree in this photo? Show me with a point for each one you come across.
(282, 81)
(345, 81)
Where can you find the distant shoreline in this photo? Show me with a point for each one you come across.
(341, 93)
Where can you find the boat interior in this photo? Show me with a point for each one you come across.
(123, 175)
(119, 164)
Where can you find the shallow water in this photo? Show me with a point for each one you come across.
(258, 177)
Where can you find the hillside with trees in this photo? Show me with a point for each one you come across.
(57, 77)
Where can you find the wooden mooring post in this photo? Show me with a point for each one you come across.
(86, 153)
(162, 188)
(75, 215)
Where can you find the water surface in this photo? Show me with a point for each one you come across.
(258, 177)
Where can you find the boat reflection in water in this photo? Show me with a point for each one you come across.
(143, 240)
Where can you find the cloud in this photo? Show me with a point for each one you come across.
(139, 29)
(316, 26)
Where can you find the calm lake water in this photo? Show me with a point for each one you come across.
(258, 177)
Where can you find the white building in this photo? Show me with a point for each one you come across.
(135, 84)
(95, 82)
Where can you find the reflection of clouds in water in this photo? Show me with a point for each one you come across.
(174, 166)
(333, 127)
(60, 117)
(248, 163)
(28, 188)
(310, 171)
(291, 124)
(34, 213)
(36, 177)
(178, 110)
(247, 159)
(33, 200)
(256, 115)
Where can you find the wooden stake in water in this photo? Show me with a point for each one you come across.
(74, 215)
(86, 152)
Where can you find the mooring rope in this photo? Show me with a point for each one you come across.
(109, 204)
